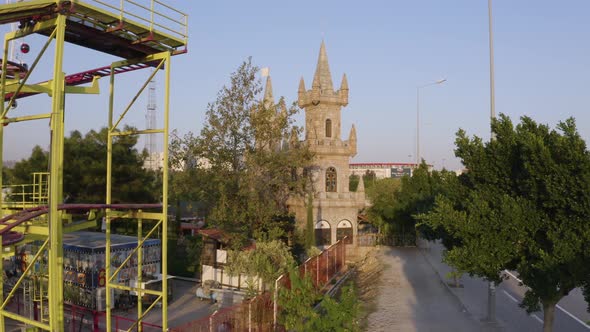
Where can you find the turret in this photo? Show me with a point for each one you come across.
(301, 93)
(343, 92)
(322, 89)
(268, 97)
(352, 141)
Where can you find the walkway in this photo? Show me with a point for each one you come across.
(412, 297)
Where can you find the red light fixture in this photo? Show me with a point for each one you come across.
(25, 48)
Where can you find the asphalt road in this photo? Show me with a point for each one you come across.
(569, 317)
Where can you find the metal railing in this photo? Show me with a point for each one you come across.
(155, 13)
(260, 313)
(21, 196)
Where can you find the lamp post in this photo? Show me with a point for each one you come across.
(491, 286)
(418, 116)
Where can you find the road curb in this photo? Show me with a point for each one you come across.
(447, 287)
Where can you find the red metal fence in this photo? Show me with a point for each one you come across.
(80, 319)
(260, 314)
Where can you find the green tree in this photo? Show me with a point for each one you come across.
(22, 171)
(524, 207)
(297, 303)
(298, 307)
(310, 239)
(267, 261)
(353, 182)
(397, 203)
(252, 155)
(384, 203)
(85, 169)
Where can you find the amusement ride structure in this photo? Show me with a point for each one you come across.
(144, 34)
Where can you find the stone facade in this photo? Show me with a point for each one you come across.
(335, 208)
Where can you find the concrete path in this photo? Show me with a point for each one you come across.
(412, 297)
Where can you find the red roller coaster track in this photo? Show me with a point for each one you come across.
(78, 78)
(10, 237)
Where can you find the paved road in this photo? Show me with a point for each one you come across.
(412, 297)
(508, 295)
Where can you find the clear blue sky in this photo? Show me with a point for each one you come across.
(386, 48)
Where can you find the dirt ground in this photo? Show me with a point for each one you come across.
(368, 271)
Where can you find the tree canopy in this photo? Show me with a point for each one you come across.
(249, 157)
(524, 206)
(85, 169)
(398, 202)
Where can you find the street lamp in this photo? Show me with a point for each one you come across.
(418, 116)
(491, 286)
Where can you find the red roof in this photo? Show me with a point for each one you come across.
(214, 233)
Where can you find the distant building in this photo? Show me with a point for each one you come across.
(383, 170)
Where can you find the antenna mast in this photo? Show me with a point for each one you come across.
(151, 144)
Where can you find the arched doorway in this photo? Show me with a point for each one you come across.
(322, 233)
(344, 229)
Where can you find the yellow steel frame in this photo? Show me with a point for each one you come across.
(163, 60)
(52, 232)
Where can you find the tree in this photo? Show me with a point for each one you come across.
(298, 307)
(310, 239)
(267, 261)
(297, 303)
(253, 157)
(397, 203)
(525, 207)
(85, 169)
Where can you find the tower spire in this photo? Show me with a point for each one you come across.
(322, 72)
(268, 97)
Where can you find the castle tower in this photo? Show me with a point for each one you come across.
(335, 207)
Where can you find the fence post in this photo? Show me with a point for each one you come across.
(317, 270)
(275, 305)
(250, 316)
(211, 329)
(328, 265)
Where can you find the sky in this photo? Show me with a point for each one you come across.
(386, 48)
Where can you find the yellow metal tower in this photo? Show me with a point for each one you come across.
(145, 34)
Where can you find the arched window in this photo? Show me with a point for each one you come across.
(331, 180)
(328, 128)
(323, 233)
(344, 229)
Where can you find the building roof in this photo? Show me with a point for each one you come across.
(380, 165)
(96, 240)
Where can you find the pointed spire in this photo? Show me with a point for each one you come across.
(352, 135)
(344, 84)
(268, 97)
(301, 85)
(361, 187)
(322, 72)
(352, 141)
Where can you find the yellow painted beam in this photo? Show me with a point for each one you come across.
(136, 214)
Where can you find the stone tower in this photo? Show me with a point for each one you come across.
(335, 208)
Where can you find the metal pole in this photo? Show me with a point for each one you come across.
(491, 285)
(165, 197)
(492, 83)
(2, 327)
(417, 126)
(139, 271)
(107, 249)
(418, 159)
(56, 319)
